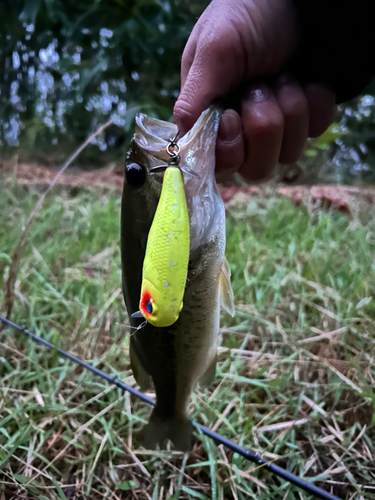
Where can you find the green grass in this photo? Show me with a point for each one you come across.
(296, 370)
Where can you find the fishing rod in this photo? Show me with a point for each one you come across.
(245, 453)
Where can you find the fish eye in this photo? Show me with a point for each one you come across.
(149, 306)
(135, 175)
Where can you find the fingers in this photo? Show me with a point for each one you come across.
(263, 127)
(211, 68)
(206, 80)
(273, 128)
(322, 108)
(250, 143)
(230, 146)
(295, 109)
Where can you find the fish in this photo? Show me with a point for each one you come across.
(174, 359)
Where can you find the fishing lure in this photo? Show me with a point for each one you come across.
(166, 260)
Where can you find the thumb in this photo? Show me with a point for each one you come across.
(214, 72)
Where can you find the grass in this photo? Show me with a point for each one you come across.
(295, 379)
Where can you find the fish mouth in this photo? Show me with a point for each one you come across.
(153, 135)
(197, 155)
(198, 148)
(205, 128)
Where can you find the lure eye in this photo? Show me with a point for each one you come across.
(135, 175)
(149, 307)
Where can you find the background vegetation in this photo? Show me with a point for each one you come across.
(67, 65)
(296, 370)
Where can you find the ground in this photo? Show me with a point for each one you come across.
(344, 198)
(295, 378)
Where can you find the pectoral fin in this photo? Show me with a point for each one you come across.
(226, 292)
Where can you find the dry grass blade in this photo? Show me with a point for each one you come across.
(283, 425)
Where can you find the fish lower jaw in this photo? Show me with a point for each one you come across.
(161, 323)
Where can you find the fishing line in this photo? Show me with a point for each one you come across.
(245, 453)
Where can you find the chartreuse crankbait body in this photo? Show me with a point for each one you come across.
(166, 260)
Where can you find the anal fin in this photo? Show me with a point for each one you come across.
(209, 375)
(226, 292)
(140, 374)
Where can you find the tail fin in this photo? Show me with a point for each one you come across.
(158, 430)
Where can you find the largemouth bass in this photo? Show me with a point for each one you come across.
(175, 358)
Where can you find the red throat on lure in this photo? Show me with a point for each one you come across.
(146, 303)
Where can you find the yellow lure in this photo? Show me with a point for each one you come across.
(167, 254)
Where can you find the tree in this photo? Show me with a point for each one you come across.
(67, 65)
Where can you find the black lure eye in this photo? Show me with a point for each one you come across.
(149, 307)
(135, 175)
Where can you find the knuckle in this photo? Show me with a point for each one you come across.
(221, 45)
(295, 107)
(269, 124)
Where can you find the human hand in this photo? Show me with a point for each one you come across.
(233, 50)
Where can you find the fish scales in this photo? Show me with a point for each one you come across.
(175, 358)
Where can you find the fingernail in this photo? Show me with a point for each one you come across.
(258, 93)
(229, 126)
(182, 117)
(177, 121)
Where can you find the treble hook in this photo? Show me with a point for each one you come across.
(174, 159)
(173, 144)
(173, 141)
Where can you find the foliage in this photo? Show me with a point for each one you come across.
(295, 375)
(346, 152)
(356, 153)
(67, 65)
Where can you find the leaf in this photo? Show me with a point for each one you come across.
(55, 342)
(30, 11)
(311, 153)
(244, 380)
(5, 432)
(58, 488)
(201, 464)
(128, 485)
(88, 74)
(21, 478)
(364, 302)
(193, 493)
